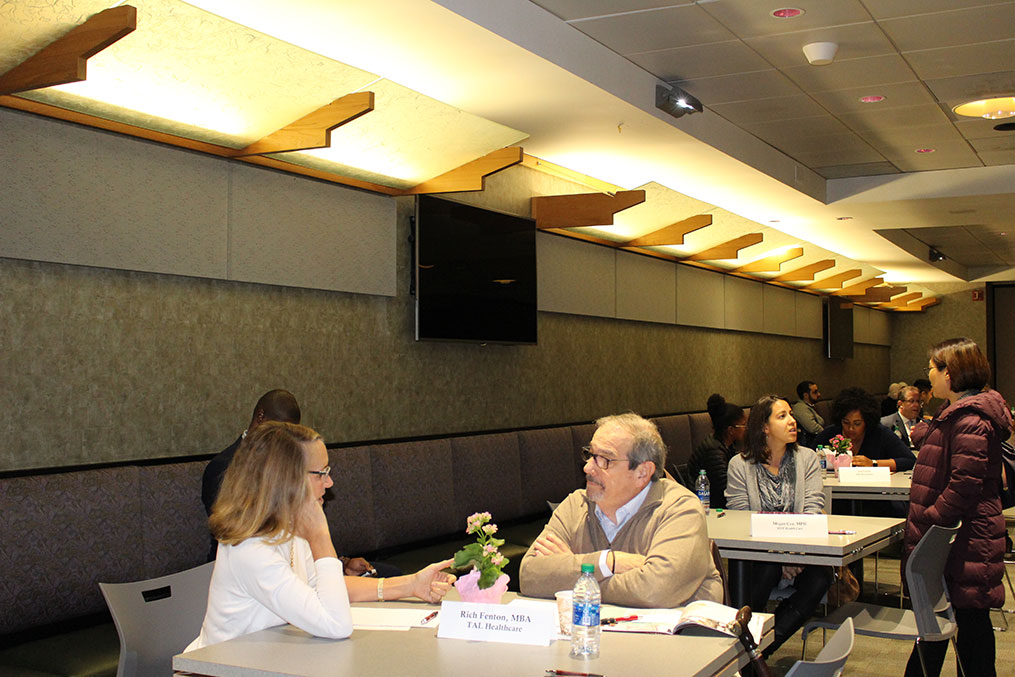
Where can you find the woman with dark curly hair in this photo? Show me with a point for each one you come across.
(857, 416)
(714, 452)
(956, 479)
(773, 474)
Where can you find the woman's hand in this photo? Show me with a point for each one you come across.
(312, 525)
(862, 462)
(431, 584)
(791, 571)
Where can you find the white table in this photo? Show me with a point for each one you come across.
(896, 489)
(732, 533)
(285, 650)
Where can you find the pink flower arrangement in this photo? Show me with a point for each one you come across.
(483, 555)
(841, 445)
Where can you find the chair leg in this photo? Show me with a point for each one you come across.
(958, 659)
(919, 654)
(1010, 589)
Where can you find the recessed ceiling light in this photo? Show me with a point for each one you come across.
(787, 12)
(923, 151)
(872, 98)
(1005, 127)
(991, 109)
(843, 218)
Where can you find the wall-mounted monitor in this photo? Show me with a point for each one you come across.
(838, 334)
(475, 274)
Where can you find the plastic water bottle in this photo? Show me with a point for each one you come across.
(585, 630)
(822, 457)
(701, 488)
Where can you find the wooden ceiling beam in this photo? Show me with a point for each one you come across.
(66, 59)
(805, 273)
(919, 305)
(727, 250)
(903, 300)
(877, 294)
(672, 234)
(835, 281)
(541, 165)
(471, 175)
(859, 287)
(771, 264)
(582, 209)
(314, 129)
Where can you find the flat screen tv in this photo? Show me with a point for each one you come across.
(475, 274)
(838, 316)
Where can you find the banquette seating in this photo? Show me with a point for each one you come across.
(404, 502)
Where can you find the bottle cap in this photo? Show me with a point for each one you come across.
(701, 472)
(588, 568)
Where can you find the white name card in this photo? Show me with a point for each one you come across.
(779, 525)
(865, 476)
(498, 623)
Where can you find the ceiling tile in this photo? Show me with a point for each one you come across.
(741, 87)
(999, 142)
(700, 61)
(750, 18)
(889, 9)
(887, 118)
(783, 134)
(843, 74)
(848, 100)
(577, 9)
(768, 110)
(948, 155)
(827, 143)
(847, 171)
(975, 128)
(855, 41)
(995, 158)
(656, 29)
(954, 91)
(916, 136)
(834, 154)
(948, 29)
(946, 62)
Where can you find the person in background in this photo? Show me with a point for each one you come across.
(856, 415)
(713, 454)
(809, 422)
(774, 474)
(906, 417)
(956, 480)
(925, 397)
(276, 562)
(274, 405)
(889, 404)
(645, 534)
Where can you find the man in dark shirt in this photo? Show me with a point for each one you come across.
(274, 405)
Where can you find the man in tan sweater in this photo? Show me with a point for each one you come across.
(645, 534)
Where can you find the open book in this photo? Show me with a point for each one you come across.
(697, 618)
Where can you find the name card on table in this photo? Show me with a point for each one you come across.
(865, 476)
(498, 623)
(778, 525)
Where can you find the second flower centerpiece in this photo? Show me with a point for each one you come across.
(486, 582)
(841, 455)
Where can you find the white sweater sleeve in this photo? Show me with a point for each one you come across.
(320, 607)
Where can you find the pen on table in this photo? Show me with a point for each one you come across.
(551, 671)
(614, 621)
(842, 532)
(429, 618)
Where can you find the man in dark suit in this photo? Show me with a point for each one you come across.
(906, 416)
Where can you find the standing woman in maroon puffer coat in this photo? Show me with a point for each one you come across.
(957, 477)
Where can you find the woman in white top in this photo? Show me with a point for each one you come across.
(276, 563)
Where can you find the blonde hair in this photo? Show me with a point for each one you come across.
(264, 486)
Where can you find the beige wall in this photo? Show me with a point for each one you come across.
(106, 365)
(913, 333)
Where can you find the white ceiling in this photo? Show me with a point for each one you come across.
(591, 108)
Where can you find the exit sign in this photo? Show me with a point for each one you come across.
(977, 294)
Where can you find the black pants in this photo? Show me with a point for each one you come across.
(976, 647)
(790, 615)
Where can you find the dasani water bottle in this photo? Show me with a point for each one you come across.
(585, 630)
(701, 488)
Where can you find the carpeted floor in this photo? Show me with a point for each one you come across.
(875, 657)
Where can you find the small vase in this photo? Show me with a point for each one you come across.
(469, 590)
(843, 461)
